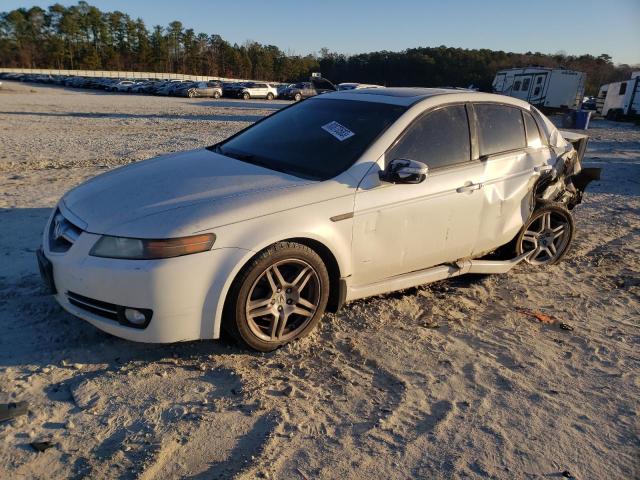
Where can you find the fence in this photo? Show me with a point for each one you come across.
(121, 74)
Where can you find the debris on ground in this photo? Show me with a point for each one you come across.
(544, 318)
(431, 324)
(42, 446)
(12, 410)
(541, 317)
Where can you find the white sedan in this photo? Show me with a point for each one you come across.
(339, 197)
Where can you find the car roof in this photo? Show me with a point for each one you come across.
(407, 96)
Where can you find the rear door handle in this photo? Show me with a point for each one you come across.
(469, 187)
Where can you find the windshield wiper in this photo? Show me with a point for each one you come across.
(236, 155)
(251, 158)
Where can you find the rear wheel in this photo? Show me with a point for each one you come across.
(191, 94)
(547, 235)
(279, 297)
(269, 96)
(297, 97)
(216, 95)
(246, 95)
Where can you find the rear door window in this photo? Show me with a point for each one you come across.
(500, 128)
(438, 139)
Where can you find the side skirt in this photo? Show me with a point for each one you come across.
(433, 274)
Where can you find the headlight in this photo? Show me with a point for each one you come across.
(144, 249)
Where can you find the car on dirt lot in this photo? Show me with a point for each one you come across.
(258, 90)
(121, 86)
(373, 190)
(302, 90)
(203, 89)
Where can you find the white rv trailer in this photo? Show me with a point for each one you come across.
(620, 99)
(545, 88)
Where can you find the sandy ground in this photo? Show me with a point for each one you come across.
(449, 380)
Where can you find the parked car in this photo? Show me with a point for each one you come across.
(302, 90)
(284, 86)
(355, 86)
(142, 87)
(171, 87)
(181, 89)
(231, 89)
(258, 90)
(121, 86)
(589, 103)
(261, 233)
(298, 91)
(204, 89)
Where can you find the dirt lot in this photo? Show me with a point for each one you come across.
(445, 381)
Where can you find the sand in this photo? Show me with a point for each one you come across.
(450, 380)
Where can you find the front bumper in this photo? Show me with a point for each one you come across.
(183, 293)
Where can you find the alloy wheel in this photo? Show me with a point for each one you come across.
(547, 236)
(283, 300)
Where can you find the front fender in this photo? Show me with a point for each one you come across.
(214, 305)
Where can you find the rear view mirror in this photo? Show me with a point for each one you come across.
(402, 170)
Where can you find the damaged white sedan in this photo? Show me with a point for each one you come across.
(336, 198)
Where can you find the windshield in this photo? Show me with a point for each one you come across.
(315, 139)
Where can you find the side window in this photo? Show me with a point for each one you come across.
(623, 88)
(516, 86)
(533, 134)
(525, 84)
(439, 139)
(500, 128)
(536, 91)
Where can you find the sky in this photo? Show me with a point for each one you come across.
(356, 26)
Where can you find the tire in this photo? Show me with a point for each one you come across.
(547, 234)
(216, 95)
(297, 97)
(288, 284)
(270, 96)
(246, 95)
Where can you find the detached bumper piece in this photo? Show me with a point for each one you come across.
(46, 272)
(110, 311)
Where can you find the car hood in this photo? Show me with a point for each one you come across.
(179, 194)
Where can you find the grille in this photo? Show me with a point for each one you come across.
(62, 233)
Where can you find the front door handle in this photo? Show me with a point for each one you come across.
(469, 187)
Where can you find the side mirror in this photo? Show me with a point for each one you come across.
(402, 170)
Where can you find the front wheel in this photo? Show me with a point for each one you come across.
(246, 95)
(270, 96)
(191, 94)
(216, 95)
(278, 297)
(547, 235)
(297, 97)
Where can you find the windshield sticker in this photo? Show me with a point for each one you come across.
(339, 131)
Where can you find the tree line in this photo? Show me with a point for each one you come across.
(83, 37)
